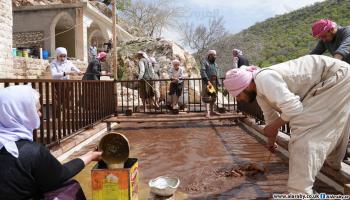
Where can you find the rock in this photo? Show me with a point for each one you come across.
(163, 50)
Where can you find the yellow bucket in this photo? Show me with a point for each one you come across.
(25, 53)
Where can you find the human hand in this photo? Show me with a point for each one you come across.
(73, 73)
(271, 145)
(91, 156)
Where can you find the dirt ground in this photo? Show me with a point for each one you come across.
(201, 155)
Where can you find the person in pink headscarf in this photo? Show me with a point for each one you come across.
(310, 93)
(94, 69)
(334, 38)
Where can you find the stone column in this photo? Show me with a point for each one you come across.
(81, 47)
(6, 23)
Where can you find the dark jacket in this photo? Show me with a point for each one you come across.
(340, 44)
(34, 172)
(93, 71)
(242, 61)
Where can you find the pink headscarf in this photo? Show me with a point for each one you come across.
(239, 79)
(102, 55)
(322, 26)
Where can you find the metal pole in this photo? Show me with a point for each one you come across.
(114, 39)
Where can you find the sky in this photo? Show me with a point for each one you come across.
(238, 14)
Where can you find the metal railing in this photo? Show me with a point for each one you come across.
(68, 106)
(129, 96)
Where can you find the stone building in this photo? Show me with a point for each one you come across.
(74, 26)
(6, 39)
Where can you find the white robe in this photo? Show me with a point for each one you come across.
(58, 68)
(312, 94)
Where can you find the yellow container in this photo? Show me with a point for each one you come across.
(26, 53)
(115, 184)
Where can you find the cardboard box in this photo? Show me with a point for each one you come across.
(115, 184)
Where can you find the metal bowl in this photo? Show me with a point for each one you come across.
(164, 186)
(115, 149)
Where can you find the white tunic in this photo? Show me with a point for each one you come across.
(58, 68)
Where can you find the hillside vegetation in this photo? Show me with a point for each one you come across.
(283, 37)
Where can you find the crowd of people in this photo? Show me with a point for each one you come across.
(309, 93)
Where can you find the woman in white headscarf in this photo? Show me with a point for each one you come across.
(61, 68)
(27, 169)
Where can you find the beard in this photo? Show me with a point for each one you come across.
(211, 60)
(251, 95)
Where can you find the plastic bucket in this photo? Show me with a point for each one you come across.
(19, 53)
(45, 54)
(14, 51)
(26, 53)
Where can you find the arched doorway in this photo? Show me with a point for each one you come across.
(63, 33)
(97, 37)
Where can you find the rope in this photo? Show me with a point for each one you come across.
(60, 33)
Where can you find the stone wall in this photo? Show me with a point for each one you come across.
(30, 68)
(6, 39)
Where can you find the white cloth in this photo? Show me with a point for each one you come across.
(235, 63)
(18, 116)
(57, 69)
(153, 60)
(144, 54)
(238, 51)
(61, 51)
(175, 62)
(93, 51)
(142, 68)
(211, 52)
(312, 94)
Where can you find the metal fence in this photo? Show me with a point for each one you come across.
(68, 106)
(129, 96)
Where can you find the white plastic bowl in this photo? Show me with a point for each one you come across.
(164, 186)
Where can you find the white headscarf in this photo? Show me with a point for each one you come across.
(174, 62)
(211, 52)
(144, 54)
(18, 116)
(61, 51)
(238, 51)
(153, 60)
